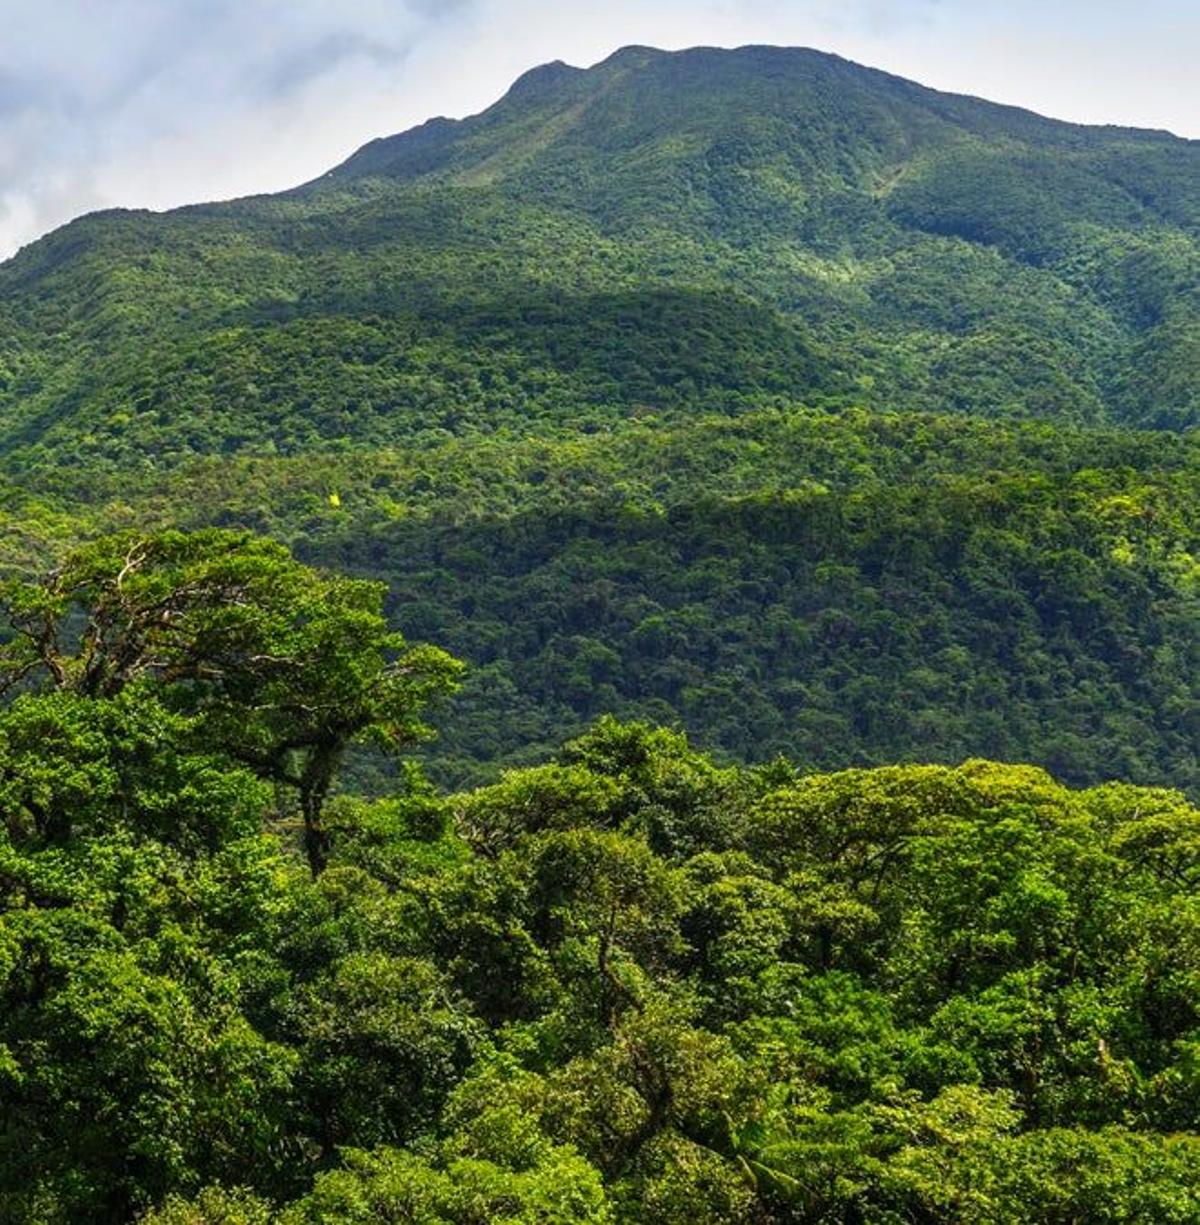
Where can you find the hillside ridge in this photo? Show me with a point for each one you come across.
(557, 81)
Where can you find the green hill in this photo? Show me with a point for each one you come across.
(846, 588)
(677, 232)
(751, 389)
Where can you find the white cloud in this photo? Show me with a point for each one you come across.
(160, 102)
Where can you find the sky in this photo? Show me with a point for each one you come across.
(155, 103)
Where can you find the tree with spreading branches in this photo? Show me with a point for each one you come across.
(282, 667)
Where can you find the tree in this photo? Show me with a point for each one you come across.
(284, 666)
(128, 1068)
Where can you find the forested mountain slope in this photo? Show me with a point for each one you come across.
(754, 395)
(755, 390)
(840, 588)
(667, 232)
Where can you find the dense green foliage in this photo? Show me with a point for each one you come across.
(624, 985)
(1053, 618)
(541, 371)
(705, 230)
(280, 669)
(756, 396)
(839, 588)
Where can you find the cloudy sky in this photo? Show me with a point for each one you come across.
(152, 103)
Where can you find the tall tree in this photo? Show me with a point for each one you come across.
(285, 666)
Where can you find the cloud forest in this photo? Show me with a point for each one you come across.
(628, 659)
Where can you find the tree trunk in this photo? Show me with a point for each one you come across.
(315, 782)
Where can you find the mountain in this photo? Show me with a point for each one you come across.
(825, 413)
(662, 232)
(752, 395)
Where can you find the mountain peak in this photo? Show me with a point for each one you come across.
(819, 115)
(543, 80)
(634, 54)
